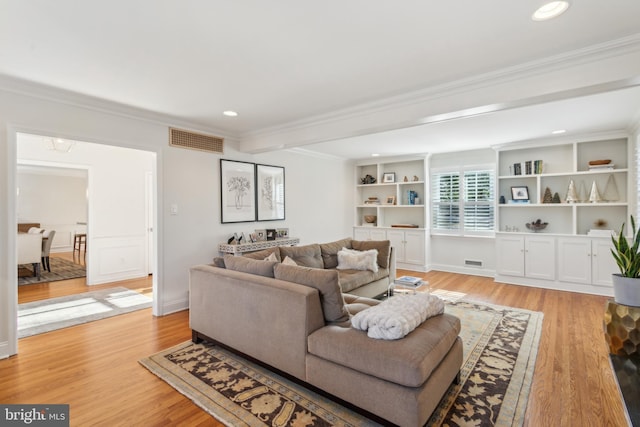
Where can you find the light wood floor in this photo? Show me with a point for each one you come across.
(93, 367)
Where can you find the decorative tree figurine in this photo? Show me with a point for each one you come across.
(548, 198)
(594, 196)
(611, 190)
(556, 198)
(572, 196)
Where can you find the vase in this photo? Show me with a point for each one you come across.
(626, 290)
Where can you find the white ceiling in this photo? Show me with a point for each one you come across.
(286, 61)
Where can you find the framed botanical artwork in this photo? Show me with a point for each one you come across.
(389, 177)
(237, 191)
(270, 192)
(520, 193)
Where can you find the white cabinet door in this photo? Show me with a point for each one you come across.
(540, 257)
(510, 259)
(574, 260)
(371, 233)
(396, 237)
(378, 234)
(414, 247)
(603, 264)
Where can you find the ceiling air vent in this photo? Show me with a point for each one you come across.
(196, 141)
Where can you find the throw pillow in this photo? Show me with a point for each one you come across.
(327, 282)
(264, 253)
(382, 246)
(349, 259)
(307, 255)
(272, 257)
(289, 261)
(219, 262)
(248, 265)
(330, 250)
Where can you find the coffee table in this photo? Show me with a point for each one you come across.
(396, 288)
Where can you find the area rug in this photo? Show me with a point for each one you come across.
(500, 348)
(61, 269)
(57, 313)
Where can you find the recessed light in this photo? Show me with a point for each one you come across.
(375, 155)
(550, 9)
(230, 113)
(558, 131)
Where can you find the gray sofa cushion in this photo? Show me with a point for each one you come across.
(307, 256)
(408, 361)
(383, 247)
(248, 265)
(352, 279)
(327, 282)
(330, 250)
(261, 255)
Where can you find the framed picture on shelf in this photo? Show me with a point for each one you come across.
(237, 191)
(270, 192)
(520, 193)
(391, 200)
(261, 235)
(282, 233)
(271, 234)
(389, 177)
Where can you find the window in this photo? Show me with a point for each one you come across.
(463, 201)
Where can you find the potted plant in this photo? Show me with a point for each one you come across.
(626, 285)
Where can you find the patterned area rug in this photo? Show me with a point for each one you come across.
(61, 269)
(57, 313)
(500, 348)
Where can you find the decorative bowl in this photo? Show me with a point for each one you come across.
(537, 225)
(599, 162)
(370, 218)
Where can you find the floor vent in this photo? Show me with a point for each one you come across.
(196, 141)
(472, 263)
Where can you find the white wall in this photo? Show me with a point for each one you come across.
(56, 201)
(318, 201)
(448, 253)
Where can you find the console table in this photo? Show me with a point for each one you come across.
(256, 246)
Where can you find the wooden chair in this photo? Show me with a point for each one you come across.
(79, 241)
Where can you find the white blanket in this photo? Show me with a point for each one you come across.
(395, 317)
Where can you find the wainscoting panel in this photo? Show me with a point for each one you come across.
(118, 258)
(63, 240)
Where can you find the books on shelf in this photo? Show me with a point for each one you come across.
(529, 167)
(408, 281)
(608, 166)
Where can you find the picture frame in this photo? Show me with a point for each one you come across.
(520, 193)
(390, 200)
(237, 191)
(271, 234)
(261, 235)
(282, 233)
(270, 193)
(389, 177)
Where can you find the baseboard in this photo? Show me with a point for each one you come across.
(5, 351)
(170, 307)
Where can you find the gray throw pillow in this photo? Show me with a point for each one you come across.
(383, 247)
(330, 250)
(307, 255)
(327, 282)
(248, 265)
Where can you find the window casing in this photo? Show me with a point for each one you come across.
(462, 201)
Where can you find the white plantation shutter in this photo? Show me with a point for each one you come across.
(446, 200)
(463, 205)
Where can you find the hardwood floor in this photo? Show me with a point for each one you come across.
(93, 367)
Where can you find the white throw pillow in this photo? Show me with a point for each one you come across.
(272, 257)
(350, 259)
(289, 261)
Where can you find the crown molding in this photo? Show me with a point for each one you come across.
(595, 53)
(32, 89)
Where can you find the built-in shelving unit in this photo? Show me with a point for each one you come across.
(399, 217)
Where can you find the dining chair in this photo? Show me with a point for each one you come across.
(47, 240)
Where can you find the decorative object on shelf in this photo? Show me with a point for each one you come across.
(282, 233)
(389, 177)
(406, 178)
(405, 226)
(600, 229)
(611, 190)
(536, 225)
(502, 200)
(601, 165)
(237, 191)
(594, 195)
(372, 201)
(368, 180)
(370, 219)
(547, 198)
(599, 162)
(391, 200)
(556, 198)
(261, 235)
(415, 178)
(582, 192)
(626, 285)
(271, 234)
(520, 193)
(572, 196)
(270, 197)
(411, 197)
(600, 223)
